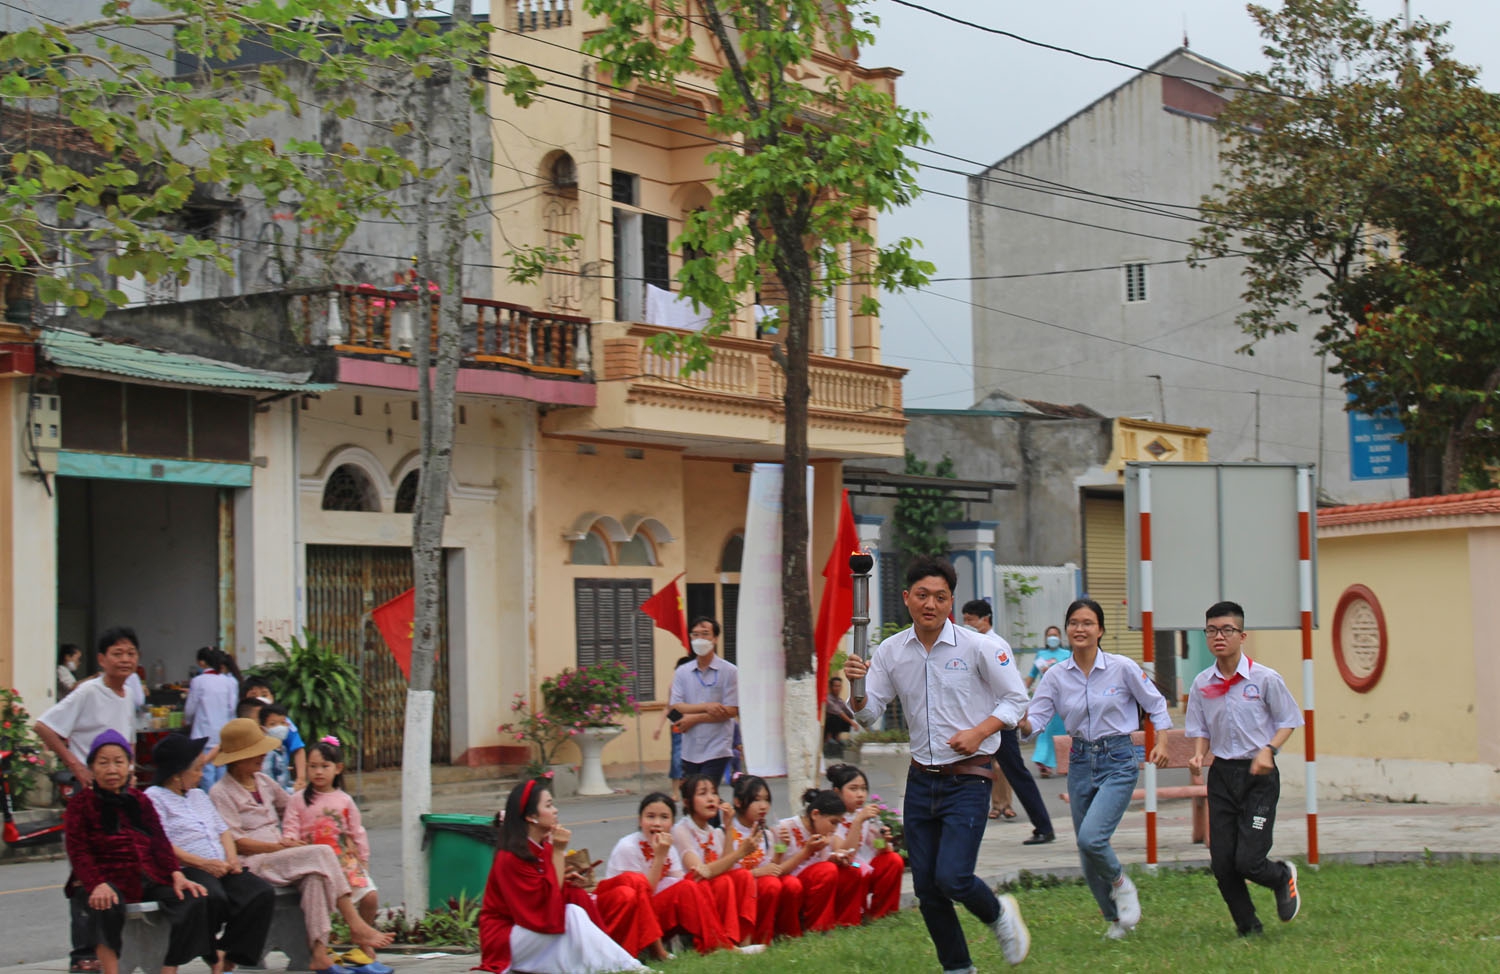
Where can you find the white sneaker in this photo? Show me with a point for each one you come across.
(1127, 903)
(751, 948)
(1010, 930)
(1115, 931)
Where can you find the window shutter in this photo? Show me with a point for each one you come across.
(586, 617)
(655, 261)
(643, 660)
(731, 597)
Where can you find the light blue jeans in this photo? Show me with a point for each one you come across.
(1101, 777)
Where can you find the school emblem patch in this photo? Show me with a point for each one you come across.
(1003, 657)
(1252, 692)
(955, 664)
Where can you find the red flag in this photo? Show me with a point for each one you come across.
(666, 610)
(396, 619)
(836, 612)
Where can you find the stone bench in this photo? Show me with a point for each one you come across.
(143, 942)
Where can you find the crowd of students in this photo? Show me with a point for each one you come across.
(722, 876)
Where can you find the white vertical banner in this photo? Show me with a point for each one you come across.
(758, 652)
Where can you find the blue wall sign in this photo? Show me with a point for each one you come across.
(1375, 453)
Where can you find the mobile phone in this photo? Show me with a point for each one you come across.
(674, 715)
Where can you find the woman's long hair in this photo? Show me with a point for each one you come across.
(520, 806)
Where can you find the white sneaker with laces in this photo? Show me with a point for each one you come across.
(1127, 902)
(1115, 931)
(1010, 930)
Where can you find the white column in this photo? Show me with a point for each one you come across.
(972, 544)
(266, 575)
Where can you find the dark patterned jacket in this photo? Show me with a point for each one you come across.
(134, 852)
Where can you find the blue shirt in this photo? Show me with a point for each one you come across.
(1100, 704)
(718, 683)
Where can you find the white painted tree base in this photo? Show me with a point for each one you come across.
(804, 738)
(416, 799)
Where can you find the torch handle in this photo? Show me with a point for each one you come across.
(861, 634)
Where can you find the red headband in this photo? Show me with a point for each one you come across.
(526, 794)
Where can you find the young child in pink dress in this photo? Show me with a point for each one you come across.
(324, 814)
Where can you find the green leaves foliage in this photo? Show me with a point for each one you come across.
(116, 145)
(921, 512)
(1362, 181)
(319, 687)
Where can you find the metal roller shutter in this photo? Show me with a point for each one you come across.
(1104, 570)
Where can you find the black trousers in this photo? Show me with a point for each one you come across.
(1013, 766)
(241, 903)
(1241, 818)
(189, 937)
(714, 768)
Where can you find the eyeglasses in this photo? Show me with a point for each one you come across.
(1225, 631)
(1082, 624)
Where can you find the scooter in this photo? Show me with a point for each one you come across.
(49, 831)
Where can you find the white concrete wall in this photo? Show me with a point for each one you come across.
(33, 624)
(1127, 145)
(265, 527)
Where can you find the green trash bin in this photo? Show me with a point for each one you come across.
(460, 849)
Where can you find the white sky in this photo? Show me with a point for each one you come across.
(988, 95)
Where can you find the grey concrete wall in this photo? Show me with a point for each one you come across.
(1073, 337)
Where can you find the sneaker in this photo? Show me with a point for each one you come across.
(1116, 931)
(751, 949)
(1010, 930)
(1127, 902)
(1287, 900)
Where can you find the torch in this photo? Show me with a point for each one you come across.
(860, 563)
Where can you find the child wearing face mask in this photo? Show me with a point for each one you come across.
(295, 748)
(277, 765)
(1052, 653)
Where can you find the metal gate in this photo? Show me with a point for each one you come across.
(344, 582)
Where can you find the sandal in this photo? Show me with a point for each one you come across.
(1008, 813)
(994, 812)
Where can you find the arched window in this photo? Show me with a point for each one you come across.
(349, 488)
(406, 494)
(733, 553)
(591, 549)
(637, 551)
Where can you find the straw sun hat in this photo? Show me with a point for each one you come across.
(242, 738)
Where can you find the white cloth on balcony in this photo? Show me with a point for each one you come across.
(673, 310)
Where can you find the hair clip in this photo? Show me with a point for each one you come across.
(736, 776)
(330, 739)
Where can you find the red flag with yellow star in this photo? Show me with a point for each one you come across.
(666, 610)
(396, 619)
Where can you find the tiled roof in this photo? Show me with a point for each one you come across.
(75, 350)
(1445, 505)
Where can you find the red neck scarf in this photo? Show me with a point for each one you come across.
(1218, 687)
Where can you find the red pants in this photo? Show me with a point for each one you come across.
(828, 890)
(884, 881)
(625, 903)
(777, 902)
(734, 900)
(689, 907)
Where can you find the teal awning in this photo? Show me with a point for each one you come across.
(75, 350)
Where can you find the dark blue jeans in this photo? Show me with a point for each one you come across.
(944, 818)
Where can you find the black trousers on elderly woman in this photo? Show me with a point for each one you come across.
(241, 903)
(188, 917)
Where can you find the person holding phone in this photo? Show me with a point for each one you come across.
(706, 695)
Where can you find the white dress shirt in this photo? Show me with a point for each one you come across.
(191, 821)
(954, 687)
(1243, 720)
(1100, 704)
(629, 856)
(718, 683)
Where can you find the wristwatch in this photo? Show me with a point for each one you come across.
(1274, 750)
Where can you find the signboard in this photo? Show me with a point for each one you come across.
(1375, 453)
(1219, 531)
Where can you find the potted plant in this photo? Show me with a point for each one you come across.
(317, 684)
(585, 703)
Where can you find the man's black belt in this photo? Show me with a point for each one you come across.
(978, 765)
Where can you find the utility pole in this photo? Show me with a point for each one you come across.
(1257, 425)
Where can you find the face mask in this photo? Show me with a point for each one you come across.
(703, 647)
(1054, 641)
(279, 733)
(72, 665)
(264, 700)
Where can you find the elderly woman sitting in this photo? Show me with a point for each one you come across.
(238, 901)
(120, 854)
(251, 804)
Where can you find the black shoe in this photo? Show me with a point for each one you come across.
(1288, 902)
(1252, 931)
(1039, 838)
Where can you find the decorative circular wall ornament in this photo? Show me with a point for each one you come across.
(1359, 638)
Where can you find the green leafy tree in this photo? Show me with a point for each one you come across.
(921, 512)
(1361, 176)
(808, 158)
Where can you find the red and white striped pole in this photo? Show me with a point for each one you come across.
(1148, 655)
(1305, 603)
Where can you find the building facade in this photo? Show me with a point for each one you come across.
(1078, 243)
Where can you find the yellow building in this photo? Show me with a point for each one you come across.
(1406, 659)
(652, 479)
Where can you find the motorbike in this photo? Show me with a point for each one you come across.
(64, 785)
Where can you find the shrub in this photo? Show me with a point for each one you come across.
(30, 762)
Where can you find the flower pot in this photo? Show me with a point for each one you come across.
(591, 741)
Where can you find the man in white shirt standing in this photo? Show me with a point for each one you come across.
(707, 694)
(1243, 711)
(958, 692)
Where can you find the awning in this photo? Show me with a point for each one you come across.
(75, 350)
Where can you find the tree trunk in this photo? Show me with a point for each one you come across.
(436, 408)
(801, 721)
(1456, 448)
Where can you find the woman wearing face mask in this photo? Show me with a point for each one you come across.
(1045, 754)
(68, 658)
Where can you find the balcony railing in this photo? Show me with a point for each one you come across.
(363, 320)
(533, 15)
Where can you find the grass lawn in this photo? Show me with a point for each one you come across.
(1438, 917)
